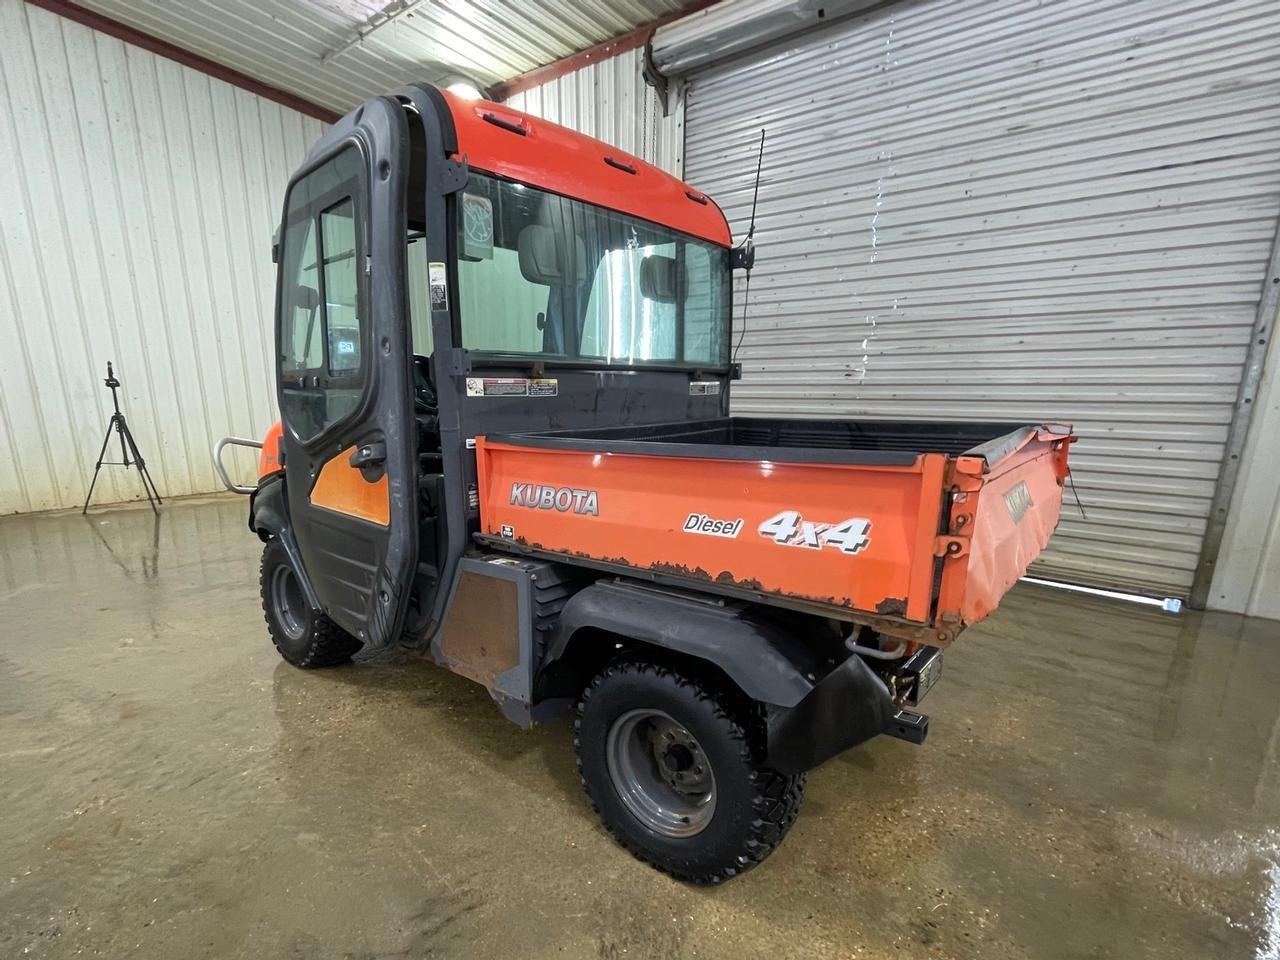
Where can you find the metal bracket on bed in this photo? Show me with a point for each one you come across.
(950, 546)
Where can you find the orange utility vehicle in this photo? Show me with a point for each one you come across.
(504, 375)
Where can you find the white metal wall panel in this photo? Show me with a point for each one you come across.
(610, 101)
(137, 208)
(1016, 210)
(1248, 570)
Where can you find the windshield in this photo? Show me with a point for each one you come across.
(545, 276)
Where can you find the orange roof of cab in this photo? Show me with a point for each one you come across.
(564, 161)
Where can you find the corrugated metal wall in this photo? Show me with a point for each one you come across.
(137, 210)
(1016, 210)
(610, 101)
(1248, 570)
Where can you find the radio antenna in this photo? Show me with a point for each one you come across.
(746, 254)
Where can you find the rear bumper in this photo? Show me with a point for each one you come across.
(849, 706)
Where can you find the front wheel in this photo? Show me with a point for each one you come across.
(672, 766)
(304, 637)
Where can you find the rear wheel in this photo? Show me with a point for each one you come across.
(673, 768)
(303, 636)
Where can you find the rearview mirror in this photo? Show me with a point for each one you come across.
(663, 279)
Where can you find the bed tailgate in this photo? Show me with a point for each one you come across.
(1005, 506)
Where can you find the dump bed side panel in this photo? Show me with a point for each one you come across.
(855, 536)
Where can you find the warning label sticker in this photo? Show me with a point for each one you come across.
(704, 388)
(438, 279)
(512, 387)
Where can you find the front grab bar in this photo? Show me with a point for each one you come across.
(222, 471)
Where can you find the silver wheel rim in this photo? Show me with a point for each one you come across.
(286, 598)
(661, 773)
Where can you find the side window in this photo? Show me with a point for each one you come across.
(322, 298)
(703, 305)
(341, 296)
(304, 347)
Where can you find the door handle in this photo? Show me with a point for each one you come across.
(368, 454)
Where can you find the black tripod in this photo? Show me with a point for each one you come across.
(127, 446)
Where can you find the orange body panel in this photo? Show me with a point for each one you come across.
(866, 539)
(644, 504)
(570, 163)
(1011, 512)
(269, 458)
(343, 489)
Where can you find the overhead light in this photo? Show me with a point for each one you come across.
(464, 88)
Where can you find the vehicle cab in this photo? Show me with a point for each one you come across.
(448, 269)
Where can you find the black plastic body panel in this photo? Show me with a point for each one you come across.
(269, 517)
(848, 706)
(768, 663)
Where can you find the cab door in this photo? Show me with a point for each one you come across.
(343, 373)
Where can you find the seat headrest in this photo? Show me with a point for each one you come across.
(540, 260)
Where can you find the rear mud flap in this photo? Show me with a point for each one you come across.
(849, 706)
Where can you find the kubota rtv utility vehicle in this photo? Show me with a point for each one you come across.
(503, 358)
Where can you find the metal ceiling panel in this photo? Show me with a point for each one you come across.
(1013, 210)
(337, 53)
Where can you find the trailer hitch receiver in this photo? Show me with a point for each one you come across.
(909, 726)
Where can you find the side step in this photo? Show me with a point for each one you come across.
(908, 725)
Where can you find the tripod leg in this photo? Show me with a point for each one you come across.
(148, 486)
(146, 475)
(96, 469)
(142, 467)
(118, 419)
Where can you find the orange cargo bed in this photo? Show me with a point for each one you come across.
(916, 529)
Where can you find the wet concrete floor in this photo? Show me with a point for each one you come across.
(1101, 780)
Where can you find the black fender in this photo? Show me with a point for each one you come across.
(269, 518)
(816, 705)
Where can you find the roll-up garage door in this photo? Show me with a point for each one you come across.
(1017, 211)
